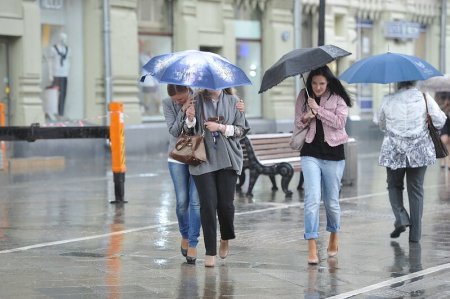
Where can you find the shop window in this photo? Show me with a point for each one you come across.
(155, 38)
(62, 56)
(247, 26)
(420, 44)
(151, 93)
(364, 90)
(339, 25)
(249, 59)
(155, 16)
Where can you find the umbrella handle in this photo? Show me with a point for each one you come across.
(304, 83)
(307, 93)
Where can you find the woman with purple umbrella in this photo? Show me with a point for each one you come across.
(215, 114)
(187, 201)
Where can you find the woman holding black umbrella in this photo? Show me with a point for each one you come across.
(325, 111)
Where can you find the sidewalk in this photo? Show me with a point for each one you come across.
(60, 238)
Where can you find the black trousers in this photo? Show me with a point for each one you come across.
(216, 193)
(61, 82)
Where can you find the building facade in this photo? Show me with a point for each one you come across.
(251, 33)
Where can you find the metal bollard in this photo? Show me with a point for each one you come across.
(117, 139)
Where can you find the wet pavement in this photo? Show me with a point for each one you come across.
(61, 238)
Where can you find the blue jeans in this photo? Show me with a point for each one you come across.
(322, 181)
(188, 204)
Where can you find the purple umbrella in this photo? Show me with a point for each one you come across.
(196, 69)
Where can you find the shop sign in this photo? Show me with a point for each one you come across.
(402, 30)
(52, 4)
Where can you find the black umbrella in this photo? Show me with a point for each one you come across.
(300, 61)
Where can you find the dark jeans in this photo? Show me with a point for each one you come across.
(414, 185)
(216, 193)
(61, 82)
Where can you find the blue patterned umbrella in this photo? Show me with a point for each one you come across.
(389, 68)
(196, 69)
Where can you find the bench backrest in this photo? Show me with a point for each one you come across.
(269, 147)
(272, 147)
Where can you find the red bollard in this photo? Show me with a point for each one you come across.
(117, 139)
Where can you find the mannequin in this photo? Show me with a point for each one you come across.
(59, 67)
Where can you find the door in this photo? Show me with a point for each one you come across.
(5, 89)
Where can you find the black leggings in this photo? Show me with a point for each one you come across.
(216, 193)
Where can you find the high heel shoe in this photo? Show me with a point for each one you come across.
(332, 253)
(333, 243)
(223, 249)
(184, 251)
(191, 256)
(313, 261)
(312, 249)
(210, 261)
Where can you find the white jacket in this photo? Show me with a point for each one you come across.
(404, 113)
(407, 141)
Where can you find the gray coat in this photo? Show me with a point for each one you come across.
(174, 120)
(226, 152)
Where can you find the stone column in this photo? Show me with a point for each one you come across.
(278, 39)
(124, 59)
(26, 69)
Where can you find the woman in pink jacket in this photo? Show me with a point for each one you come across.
(325, 112)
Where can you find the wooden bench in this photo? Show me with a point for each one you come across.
(269, 154)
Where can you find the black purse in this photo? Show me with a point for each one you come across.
(439, 147)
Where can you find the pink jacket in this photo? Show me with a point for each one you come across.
(333, 113)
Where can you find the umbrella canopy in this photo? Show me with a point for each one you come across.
(300, 61)
(196, 69)
(389, 68)
(436, 84)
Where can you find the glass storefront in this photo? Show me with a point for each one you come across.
(151, 92)
(364, 90)
(155, 38)
(247, 28)
(249, 59)
(62, 59)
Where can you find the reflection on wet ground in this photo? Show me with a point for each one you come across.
(61, 238)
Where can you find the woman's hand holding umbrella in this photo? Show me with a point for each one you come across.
(190, 113)
(313, 106)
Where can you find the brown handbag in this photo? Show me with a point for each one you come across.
(189, 150)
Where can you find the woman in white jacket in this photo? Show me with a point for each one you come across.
(407, 149)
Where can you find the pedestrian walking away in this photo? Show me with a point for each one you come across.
(407, 150)
(443, 100)
(215, 114)
(187, 202)
(323, 158)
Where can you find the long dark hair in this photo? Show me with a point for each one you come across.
(334, 85)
